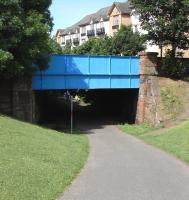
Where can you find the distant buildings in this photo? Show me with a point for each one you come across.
(105, 21)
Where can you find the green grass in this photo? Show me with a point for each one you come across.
(136, 130)
(171, 102)
(174, 140)
(37, 163)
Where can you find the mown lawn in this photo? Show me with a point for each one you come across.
(174, 140)
(37, 163)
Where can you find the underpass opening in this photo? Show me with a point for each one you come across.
(93, 106)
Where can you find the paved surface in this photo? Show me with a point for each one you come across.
(121, 167)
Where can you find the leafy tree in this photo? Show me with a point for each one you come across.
(95, 46)
(67, 49)
(126, 42)
(173, 67)
(25, 28)
(55, 48)
(166, 22)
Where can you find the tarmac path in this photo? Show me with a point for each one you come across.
(121, 167)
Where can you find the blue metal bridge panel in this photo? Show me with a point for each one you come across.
(120, 66)
(77, 65)
(57, 65)
(88, 72)
(99, 65)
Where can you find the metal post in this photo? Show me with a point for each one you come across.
(71, 120)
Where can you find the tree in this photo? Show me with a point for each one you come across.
(55, 48)
(95, 46)
(67, 49)
(128, 43)
(166, 22)
(25, 28)
(125, 42)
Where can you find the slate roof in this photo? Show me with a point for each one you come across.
(96, 17)
(59, 31)
(124, 7)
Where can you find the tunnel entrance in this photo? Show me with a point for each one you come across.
(92, 106)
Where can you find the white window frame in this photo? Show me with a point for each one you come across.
(116, 20)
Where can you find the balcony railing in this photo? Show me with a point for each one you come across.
(115, 26)
(69, 41)
(100, 31)
(83, 34)
(91, 33)
(76, 41)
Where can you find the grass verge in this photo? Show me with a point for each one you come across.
(37, 163)
(174, 140)
(137, 130)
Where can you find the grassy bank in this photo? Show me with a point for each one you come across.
(174, 140)
(174, 100)
(37, 163)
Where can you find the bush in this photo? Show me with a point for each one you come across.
(173, 66)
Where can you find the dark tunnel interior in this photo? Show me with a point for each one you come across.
(94, 106)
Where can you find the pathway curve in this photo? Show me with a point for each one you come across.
(121, 167)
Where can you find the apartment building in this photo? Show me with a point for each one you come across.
(105, 21)
(119, 13)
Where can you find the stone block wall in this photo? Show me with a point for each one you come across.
(5, 98)
(17, 99)
(149, 94)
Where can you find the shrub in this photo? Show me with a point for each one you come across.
(173, 66)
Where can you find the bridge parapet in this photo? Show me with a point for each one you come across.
(88, 72)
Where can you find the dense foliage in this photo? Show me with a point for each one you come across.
(173, 66)
(166, 22)
(125, 42)
(96, 46)
(25, 28)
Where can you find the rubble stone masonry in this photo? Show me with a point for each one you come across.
(149, 94)
(17, 99)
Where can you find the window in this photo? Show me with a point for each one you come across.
(116, 20)
(83, 29)
(91, 26)
(63, 39)
(101, 24)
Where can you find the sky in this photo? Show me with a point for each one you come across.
(67, 12)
